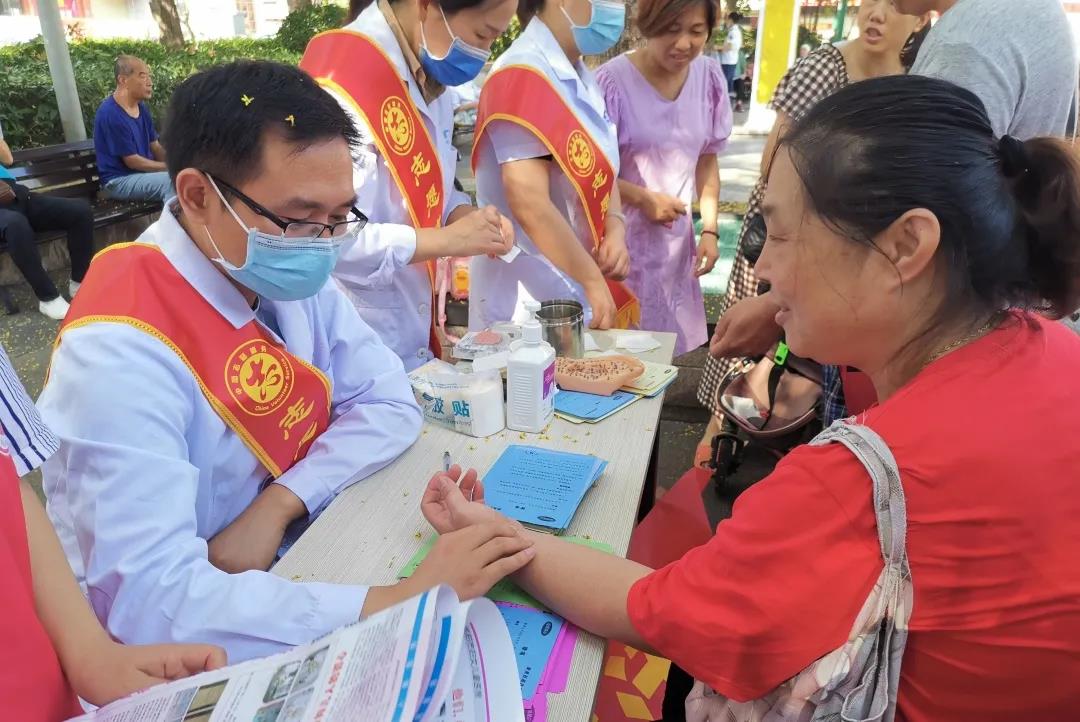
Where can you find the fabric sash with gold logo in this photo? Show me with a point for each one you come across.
(521, 94)
(357, 70)
(276, 403)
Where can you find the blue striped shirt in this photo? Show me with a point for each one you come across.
(30, 440)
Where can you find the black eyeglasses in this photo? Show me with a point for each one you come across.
(292, 228)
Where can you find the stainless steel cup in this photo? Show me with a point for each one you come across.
(563, 323)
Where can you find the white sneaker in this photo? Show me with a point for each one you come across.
(73, 288)
(55, 309)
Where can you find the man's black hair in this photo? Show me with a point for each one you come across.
(219, 118)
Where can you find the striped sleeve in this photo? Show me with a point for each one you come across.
(30, 440)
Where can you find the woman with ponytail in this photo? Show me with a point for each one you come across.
(905, 239)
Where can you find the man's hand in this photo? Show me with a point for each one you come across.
(449, 504)
(747, 329)
(474, 559)
(482, 232)
(253, 539)
(662, 208)
(707, 254)
(115, 670)
(7, 193)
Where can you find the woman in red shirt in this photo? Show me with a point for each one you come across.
(53, 646)
(907, 241)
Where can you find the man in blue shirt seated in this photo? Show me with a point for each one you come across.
(130, 159)
(22, 213)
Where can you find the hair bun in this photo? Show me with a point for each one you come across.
(1014, 156)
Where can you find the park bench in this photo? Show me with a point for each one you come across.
(70, 171)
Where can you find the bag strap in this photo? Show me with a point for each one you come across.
(890, 508)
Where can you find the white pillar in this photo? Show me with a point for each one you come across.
(63, 77)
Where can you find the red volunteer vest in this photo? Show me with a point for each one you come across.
(276, 403)
(357, 70)
(522, 95)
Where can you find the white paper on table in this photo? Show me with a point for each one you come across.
(590, 343)
(636, 342)
(428, 658)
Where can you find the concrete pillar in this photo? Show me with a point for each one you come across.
(777, 34)
(63, 77)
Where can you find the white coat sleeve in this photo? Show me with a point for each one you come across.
(374, 416)
(381, 249)
(120, 403)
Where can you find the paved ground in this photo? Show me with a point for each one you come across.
(28, 336)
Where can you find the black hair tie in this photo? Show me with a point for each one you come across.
(1014, 156)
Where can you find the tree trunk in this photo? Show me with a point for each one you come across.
(298, 5)
(168, 20)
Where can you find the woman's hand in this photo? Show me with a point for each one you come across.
(662, 208)
(480, 232)
(115, 670)
(747, 329)
(452, 501)
(612, 256)
(708, 252)
(474, 559)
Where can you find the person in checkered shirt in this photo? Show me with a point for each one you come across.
(745, 326)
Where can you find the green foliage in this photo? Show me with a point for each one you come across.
(503, 41)
(808, 37)
(29, 114)
(302, 25)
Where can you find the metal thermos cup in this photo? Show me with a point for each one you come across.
(563, 323)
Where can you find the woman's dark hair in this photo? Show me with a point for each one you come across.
(735, 17)
(218, 118)
(654, 16)
(448, 6)
(1009, 210)
(527, 10)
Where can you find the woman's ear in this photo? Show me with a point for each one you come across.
(910, 243)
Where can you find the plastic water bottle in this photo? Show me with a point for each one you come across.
(530, 381)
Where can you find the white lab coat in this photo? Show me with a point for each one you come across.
(392, 295)
(499, 290)
(147, 471)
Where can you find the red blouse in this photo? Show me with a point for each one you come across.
(32, 685)
(986, 440)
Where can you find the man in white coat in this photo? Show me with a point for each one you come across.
(210, 387)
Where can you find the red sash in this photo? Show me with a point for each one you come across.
(276, 403)
(522, 95)
(358, 71)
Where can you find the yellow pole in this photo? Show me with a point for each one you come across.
(778, 26)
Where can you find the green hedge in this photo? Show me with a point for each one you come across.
(29, 113)
(28, 110)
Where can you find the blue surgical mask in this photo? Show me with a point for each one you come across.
(280, 268)
(604, 29)
(461, 64)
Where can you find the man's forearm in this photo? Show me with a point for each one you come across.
(143, 165)
(6, 157)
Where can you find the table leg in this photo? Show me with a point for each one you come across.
(652, 477)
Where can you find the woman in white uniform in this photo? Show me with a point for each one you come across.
(547, 156)
(389, 69)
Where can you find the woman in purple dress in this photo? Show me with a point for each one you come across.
(670, 105)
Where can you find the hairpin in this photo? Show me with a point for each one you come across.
(291, 120)
(246, 100)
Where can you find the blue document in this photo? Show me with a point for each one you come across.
(591, 406)
(533, 634)
(540, 487)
